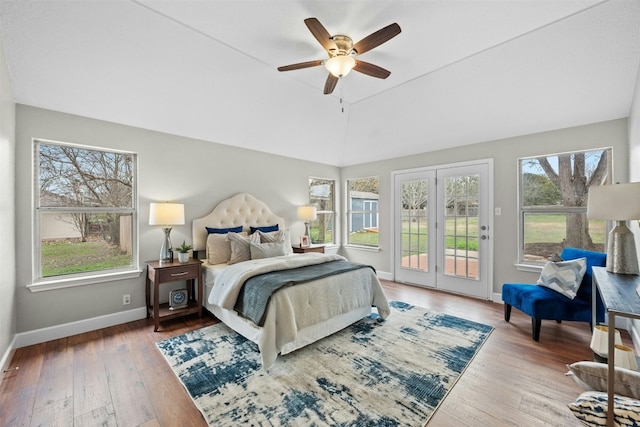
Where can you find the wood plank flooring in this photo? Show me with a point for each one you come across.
(117, 377)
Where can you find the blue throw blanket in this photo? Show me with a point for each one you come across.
(255, 293)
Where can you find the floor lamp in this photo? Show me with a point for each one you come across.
(619, 203)
(166, 214)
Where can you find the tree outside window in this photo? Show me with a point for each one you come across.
(85, 209)
(553, 203)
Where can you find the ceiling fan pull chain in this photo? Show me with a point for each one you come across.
(341, 93)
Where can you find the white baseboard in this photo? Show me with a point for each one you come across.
(384, 275)
(8, 355)
(67, 329)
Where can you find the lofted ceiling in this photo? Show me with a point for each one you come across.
(462, 72)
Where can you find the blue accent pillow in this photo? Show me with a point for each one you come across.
(211, 230)
(265, 229)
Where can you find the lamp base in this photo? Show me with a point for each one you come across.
(306, 230)
(166, 251)
(621, 250)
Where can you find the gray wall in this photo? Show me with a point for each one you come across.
(505, 154)
(7, 211)
(196, 173)
(200, 174)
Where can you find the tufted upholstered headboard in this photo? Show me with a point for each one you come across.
(241, 209)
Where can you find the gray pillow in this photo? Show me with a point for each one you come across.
(240, 250)
(593, 376)
(267, 250)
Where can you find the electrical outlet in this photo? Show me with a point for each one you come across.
(126, 299)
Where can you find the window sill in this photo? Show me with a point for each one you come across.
(363, 248)
(532, 268)
(70, 282)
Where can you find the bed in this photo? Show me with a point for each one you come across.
(294, 316)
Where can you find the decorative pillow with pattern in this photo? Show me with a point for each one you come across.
(219, 248)
(591, 408)
(563, 277)
(277, 236)
(240, 250)
(592, 376)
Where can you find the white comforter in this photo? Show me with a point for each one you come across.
(292, 309)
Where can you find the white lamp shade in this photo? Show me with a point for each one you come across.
(625, 357)
(166, 214)
(307, 213)
(617, 202)
(600, 340)
(340, 65)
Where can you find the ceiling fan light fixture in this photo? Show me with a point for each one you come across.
(340, 65)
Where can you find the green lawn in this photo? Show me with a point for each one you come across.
(539, 229)
(60, 258)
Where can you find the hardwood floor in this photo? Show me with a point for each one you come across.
(117, 377)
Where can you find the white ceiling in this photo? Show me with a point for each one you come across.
(461, 71)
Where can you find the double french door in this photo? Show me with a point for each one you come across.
(441, 228)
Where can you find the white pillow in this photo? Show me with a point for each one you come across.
(277, 236)
(240, 250)
(563, 277)
(593, 376)
(266, 250)
(591, 408)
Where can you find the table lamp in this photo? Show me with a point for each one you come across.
(620, 203)
(166, 214)
(307, 214)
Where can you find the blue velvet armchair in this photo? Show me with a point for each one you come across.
(542, 303)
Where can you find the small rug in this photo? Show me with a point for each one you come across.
(392, 372)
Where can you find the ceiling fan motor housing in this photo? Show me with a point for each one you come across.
(344, 45)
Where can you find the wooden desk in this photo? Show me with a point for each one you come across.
(167, 272)
(618, 293)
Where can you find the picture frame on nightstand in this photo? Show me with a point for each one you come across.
(304, 241)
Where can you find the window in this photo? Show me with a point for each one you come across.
(322, 196)
(85, 211)
(362, 211)
(553, 203)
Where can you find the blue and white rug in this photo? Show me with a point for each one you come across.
(373, 373)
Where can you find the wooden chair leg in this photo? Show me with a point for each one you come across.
(535, 328)
(507, 312)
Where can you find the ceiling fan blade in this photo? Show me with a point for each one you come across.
(300, 65)
(321, 34)
(376, 39)
(371, 70)
(330, 84)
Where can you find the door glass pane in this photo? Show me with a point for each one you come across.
(461, 226)
(414, 224)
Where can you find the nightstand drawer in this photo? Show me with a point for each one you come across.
(175, 274)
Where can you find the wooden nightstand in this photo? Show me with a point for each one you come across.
(167, 272)
(304, 250)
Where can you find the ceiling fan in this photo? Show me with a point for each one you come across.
(342, 52)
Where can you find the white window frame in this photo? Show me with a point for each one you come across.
(40, 283)
(327, 212)
(363, 213)
(529, 265)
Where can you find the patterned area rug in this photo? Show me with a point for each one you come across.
(374, 373)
